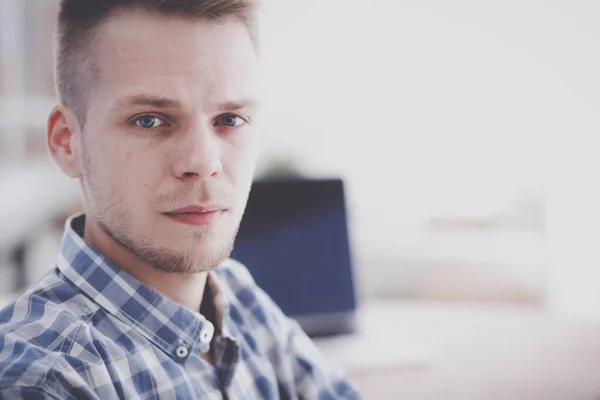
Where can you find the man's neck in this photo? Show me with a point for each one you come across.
(186, 290)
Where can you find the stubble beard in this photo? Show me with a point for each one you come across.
(186, 261)
(114, 220)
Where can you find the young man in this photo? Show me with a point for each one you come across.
(158, 121)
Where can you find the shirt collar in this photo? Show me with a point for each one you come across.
(164, 322)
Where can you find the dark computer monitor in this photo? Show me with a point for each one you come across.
(294, 240)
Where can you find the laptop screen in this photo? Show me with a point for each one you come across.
(294, 240)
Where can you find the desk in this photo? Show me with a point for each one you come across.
(380, 342)
(469, 352)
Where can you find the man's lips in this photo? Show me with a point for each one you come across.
(200, 209)
(197, 215)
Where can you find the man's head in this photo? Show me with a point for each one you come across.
(157, 120)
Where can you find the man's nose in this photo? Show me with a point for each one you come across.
(198, 156)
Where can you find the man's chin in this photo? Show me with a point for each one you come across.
(189, 265)
(204, 256)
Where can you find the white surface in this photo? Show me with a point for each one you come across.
(31, 194)
(473, 266)
(7, 298)
(458, 99)
(491, 352)
(25, 112)
(379, 343)
(12, 77)
(459, 114)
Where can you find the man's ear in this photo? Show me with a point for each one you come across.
(64, 140)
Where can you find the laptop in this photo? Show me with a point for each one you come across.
(294, 240)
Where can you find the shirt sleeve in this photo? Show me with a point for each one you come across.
(32, 373)
(312, 376)
(26, 393)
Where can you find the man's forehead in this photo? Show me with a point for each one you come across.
(166, 45)
(176, 62)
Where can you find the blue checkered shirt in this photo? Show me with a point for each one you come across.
(89, 330)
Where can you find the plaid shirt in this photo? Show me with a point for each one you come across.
(89, 330)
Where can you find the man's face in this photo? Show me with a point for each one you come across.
(169, 136)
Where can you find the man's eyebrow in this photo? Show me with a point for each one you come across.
(167, 103)
(232, 106)
(148, 100)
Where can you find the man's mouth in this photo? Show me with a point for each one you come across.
(198, 215)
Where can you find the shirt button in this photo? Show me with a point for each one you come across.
(207, 333)
(182, 351)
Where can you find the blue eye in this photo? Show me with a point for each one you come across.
(230, 120)
(149, 121)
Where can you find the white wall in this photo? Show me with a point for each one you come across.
(443, 108)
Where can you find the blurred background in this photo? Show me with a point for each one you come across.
(465, 135)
